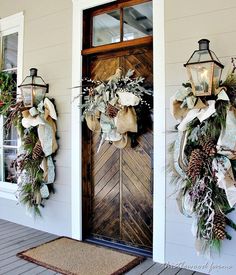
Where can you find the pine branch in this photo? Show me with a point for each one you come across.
(230, 223)
(229, 211)
(37, 212)
(228, 237)
(233, 63)
(216, 244)
(230, 80)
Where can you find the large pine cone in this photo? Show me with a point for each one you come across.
(208, 147)
(28, 140)
(196, 162)
(37, 151)
(112, 111)
(219, 226)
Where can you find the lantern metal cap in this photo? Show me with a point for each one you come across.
(33, 72)
(203, 55)
(203, 44)
(34, 80)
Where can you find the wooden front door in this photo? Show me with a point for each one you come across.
(117, 184)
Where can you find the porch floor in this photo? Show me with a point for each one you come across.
(15, 238)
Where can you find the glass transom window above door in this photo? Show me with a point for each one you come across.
(127, 22)
(8, 138)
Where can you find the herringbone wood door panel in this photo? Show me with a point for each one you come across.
(118, 202)
(137, 193)
(102, 68)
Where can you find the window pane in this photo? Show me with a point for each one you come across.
(138, 21)
(9, 171)
(10, 137)
(9, 48)
(106, 28)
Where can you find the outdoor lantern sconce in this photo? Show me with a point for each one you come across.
(204, 70)
(33, 89)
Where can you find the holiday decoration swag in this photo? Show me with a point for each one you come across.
(204, 160)
(118, 108)
(36, 127)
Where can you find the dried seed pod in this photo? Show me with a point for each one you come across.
(112, 111)
(37, 151)
(28, 140)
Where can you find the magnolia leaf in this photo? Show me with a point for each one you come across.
(129, 73)
(101, 107)
(100, 88)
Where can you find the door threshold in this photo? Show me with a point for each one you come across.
(120, 246)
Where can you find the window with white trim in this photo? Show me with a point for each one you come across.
(8, 139)
(11, 52)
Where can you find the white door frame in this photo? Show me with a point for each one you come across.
(159, 124)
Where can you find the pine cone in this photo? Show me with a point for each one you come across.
(196, 162)
(28, 140)
(112, 111)
(37, 151)
(208, 147)
(219, 226)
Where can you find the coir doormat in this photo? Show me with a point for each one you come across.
(73, 257)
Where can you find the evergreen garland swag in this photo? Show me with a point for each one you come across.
(36, 127)
(203, 167)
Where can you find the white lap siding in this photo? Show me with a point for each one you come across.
(47, 46)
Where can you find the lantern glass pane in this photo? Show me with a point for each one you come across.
(39, 94)
(201, 78)
(200, 56)
(27, 96)
(38, 80)
(27, 80)
(214, 56)
(216, 76)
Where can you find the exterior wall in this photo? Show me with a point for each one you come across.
(186, 22)
(48, 47)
